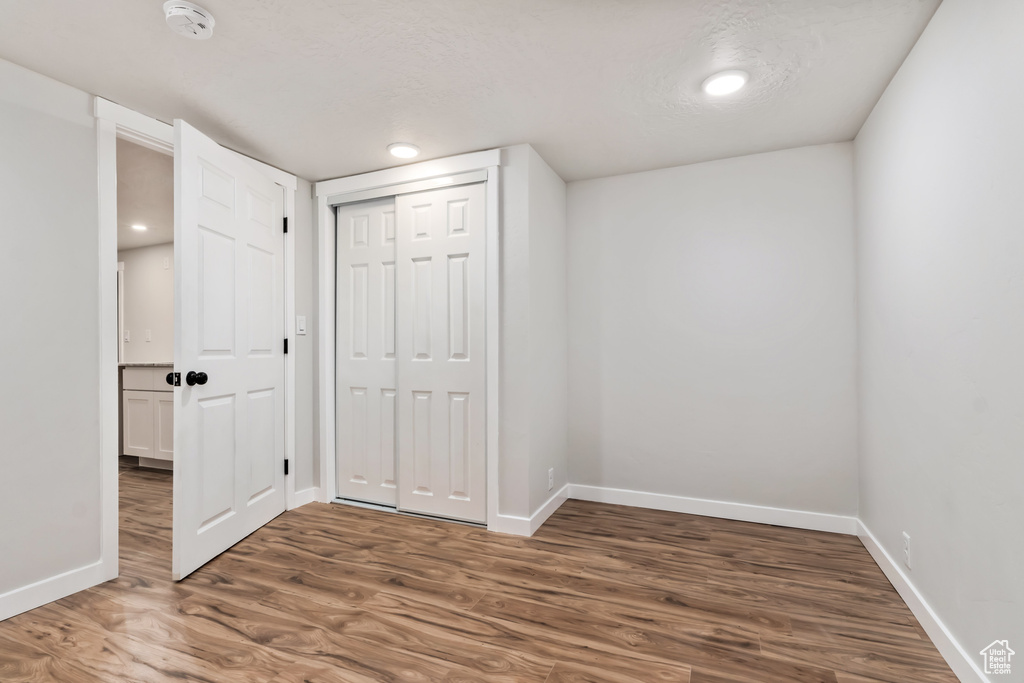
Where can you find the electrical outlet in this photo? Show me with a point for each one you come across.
(551, 478)
(167, 263)
(906, 549)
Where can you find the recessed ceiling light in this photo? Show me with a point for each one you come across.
(403, 150)
(725, 82)
(138, 227)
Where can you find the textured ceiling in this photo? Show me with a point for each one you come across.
(599, 87)
(145, 195)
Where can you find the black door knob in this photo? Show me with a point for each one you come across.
(193, 378)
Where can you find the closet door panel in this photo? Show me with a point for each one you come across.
(441, 364)
(366, 338)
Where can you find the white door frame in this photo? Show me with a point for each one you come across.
(489, 161)
(114, 121)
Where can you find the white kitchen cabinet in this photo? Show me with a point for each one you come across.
(163, 440)
(147, 416)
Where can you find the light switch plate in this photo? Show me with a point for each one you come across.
(300, 324)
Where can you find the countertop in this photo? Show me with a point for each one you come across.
(146, 365)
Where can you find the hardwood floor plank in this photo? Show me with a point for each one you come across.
(893, 663)
(523, 638)
(578, 673)
(414, 636)
(655, 640)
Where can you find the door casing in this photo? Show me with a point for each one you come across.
(489, 162)
(112, 122)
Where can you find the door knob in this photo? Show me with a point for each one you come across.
(193, 378)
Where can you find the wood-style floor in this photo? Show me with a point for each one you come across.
(602, 594)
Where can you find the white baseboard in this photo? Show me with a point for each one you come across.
(526, 526)
(962, 663)
(310, 495)
(54, 588)
(510, 524)
(799, 519)
(548, 508)
(156, 464)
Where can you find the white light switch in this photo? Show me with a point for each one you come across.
(149, 335)
(167, 263)
(300, 324)
(127, 336)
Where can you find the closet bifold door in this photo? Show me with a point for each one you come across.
(366, 383)
(441, 362)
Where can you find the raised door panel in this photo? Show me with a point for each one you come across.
(163, 442)
(138, 419)
(441, 363)
(366, 348)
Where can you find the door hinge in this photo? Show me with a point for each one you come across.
(286, 223)
(286, 346)
(286, 468)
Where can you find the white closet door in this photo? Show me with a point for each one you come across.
(366, 388)
(441, 364)
(229, 326)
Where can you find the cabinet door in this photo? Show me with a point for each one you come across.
(139, 420)
(163, 426)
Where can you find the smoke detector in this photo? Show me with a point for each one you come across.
(189, 20)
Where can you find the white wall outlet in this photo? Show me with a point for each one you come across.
(167, 263)
(127, 336)
(906, 549)
(300, 324)
(149, 335)
(551, 478)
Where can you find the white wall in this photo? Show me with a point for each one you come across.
(533, 375)
(148, 303)
(514, 366)
(49, 419)
(306, 471)
(712, 331)
(941, 252)
(549, 332)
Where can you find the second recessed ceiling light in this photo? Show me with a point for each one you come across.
(403, 150)
(725, 82)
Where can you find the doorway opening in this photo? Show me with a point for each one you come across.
(228, 425)
(418, 389)
(145, 354)
(411, 351)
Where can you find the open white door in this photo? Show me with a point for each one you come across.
(229, 337)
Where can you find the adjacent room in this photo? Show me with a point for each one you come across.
(547, 341)
(145, 343)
